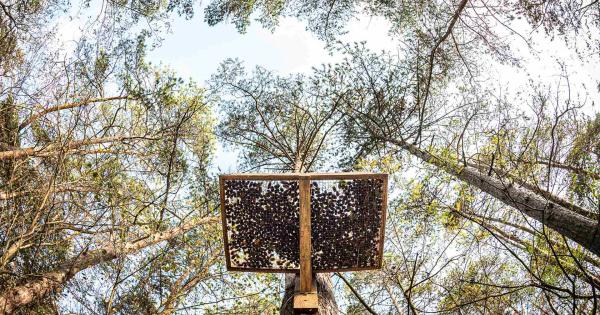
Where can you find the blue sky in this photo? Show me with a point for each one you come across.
(195, 49)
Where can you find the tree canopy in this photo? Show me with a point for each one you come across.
(108, 191)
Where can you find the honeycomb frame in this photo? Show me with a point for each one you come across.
(260, 218)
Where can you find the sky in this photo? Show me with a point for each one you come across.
(195, 49)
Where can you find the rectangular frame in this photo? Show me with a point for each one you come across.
(298, 177)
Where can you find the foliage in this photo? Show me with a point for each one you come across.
(100, 148)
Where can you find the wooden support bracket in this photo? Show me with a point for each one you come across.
(306, 302)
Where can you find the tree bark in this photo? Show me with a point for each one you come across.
(57, 108)
(56, 148)
(67, 148)
(43, 285)
(577, 227)
(327, 304)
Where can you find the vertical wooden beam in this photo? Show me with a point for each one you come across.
(224, 221)
(384, 202)
(305, 241)
(306, 299)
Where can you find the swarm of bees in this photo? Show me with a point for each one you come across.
(264, 218)
(262, 221)
(346, 223)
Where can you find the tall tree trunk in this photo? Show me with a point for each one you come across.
(577, 227)
(327, 304)
(46, 283)
(9, 135)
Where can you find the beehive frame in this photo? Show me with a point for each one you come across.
(292, 181)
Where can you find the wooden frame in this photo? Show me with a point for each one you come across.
(309, 176)
(304, 177)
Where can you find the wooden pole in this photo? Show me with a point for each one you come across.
(306, 298)
(305, 241)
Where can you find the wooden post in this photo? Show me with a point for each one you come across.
(305, 241)
(306, 299)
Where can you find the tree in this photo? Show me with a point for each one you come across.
(97, 147)
(278, 124)
(386, 116)
(505, 169)
(92, 191)
(32, 290)
(101, 151)
(379, 118)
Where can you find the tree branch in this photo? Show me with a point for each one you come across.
(26, 293)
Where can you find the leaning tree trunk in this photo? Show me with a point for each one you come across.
(327, 304)
(33, 290)
(552, 214)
